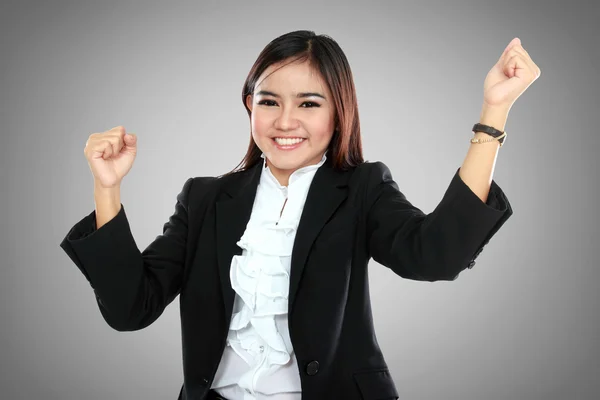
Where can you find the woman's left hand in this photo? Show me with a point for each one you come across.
(508, 79)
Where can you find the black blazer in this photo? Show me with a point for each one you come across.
(348, 218)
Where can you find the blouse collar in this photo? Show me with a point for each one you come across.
(297, 173)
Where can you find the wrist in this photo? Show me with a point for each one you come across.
(105, 189)
(111, 195)
(494, 116)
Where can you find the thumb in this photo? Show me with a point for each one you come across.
(130, 138)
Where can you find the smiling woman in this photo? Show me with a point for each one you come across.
(301, 101)
(270, 261)
(291, 131)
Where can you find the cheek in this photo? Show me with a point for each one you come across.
(260, 124)
(320, 129)
(322, 139)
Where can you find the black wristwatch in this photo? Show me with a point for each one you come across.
(490, 131)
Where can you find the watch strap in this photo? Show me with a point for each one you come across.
(478, 127)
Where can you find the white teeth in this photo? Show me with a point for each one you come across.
(288, 142)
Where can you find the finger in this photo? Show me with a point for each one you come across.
(517, 66)
(519, 49)
(119, 141)
(122, 143)
(116, 148)
(507, 49)
(522, 52)
(111, 140)
(510, 65)
(98, 148)
(108, 150)
(117, 131)
(95, 145)
(118, 128)
(116, 140)
(525, 62)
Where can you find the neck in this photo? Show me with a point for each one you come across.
(282, 176)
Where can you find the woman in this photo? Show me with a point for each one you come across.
(270, 260)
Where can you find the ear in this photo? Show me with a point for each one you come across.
(249, 101)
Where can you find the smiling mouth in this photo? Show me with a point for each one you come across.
(288, 141)
(288, 144)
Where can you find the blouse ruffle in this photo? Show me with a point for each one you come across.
(260, 276)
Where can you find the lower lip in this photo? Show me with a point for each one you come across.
(290, 147)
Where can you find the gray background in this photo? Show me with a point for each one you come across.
(522, 324)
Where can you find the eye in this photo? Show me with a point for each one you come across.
(312, 104)
(265, 101)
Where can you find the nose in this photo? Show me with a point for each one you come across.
(286, 120)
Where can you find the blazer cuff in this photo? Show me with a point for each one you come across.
(86, 245)
(485, 217)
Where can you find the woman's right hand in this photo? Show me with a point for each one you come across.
(110, 155)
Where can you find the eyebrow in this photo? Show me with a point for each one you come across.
(299, 95)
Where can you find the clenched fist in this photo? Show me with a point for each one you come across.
(110, 155)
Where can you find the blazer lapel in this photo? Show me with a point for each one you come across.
(325, 194)
(232, 216)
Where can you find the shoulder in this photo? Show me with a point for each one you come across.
(212, 186)
(369, 179)
(374, 180)
(373, 173)
(193, 188)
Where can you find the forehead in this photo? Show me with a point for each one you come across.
(294, 77)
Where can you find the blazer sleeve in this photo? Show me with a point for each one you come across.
(434, 246)
(132, 288)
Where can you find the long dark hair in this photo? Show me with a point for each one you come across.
(324, 55)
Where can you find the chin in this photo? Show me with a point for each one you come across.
(285, 163)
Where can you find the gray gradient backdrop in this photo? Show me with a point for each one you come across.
(522, 324)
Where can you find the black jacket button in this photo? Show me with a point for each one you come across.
(204, 382)
(471, 263)
(478, 252)
(312, 368)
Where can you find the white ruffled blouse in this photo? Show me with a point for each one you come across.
(259, 361)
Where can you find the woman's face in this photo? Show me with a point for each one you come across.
(291, 105)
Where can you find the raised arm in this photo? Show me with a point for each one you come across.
(434, 246)
(132, 288)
